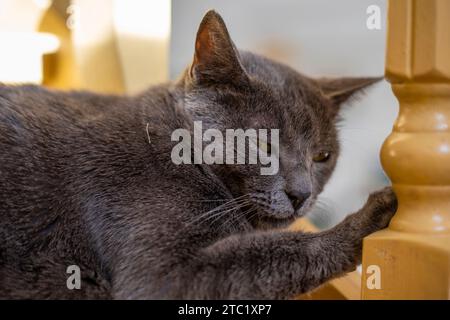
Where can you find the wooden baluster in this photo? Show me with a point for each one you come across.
(413, 254)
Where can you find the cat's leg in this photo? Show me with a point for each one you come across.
(279, 265)
(260, 265)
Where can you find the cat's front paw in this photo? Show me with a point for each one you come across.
(373, 216)
(378, 210)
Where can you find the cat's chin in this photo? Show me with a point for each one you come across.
(268, 222)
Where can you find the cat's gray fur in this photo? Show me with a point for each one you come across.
(82, 184)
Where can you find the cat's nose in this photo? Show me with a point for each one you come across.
(297, 198)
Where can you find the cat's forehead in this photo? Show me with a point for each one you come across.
(298, 120)
(266, 70)
(284, 84)
(281, 98)
(284, 96)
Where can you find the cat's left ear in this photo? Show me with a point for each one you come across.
(339, 90)
(216, 59)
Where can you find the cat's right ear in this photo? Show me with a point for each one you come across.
(216, 59)
(339, 90)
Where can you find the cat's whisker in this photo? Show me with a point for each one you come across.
(214, 212)
(219, 214)
(237, 208)
(217, 200)
(229, 222)
(221, 209)
(324, 201)
(255, 213)
(323, 208)
(239, 205)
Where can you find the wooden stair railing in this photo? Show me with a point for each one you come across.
(413, 254)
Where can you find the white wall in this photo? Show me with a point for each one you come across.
(318, 38)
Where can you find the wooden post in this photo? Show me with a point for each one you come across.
(413, 254)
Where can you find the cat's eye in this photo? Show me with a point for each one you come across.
(321, 157)
(264, 146)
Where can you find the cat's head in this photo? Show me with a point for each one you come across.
(230, 89)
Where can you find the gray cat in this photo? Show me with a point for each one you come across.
(88, 180)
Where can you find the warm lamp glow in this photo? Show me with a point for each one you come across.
(143, 18)
(21, 55)
(143, 32)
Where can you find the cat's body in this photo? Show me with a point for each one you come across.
(88, 180)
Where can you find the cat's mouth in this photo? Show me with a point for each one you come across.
(269, 218)
(270, 222)
(261, 219)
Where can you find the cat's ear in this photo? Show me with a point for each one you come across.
(339, 90)
(216, 59)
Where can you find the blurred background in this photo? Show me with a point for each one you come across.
(124, 46)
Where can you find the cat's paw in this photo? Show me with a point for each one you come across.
(378, 210)
(373, 216)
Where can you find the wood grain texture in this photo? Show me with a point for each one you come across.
(414, 252)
